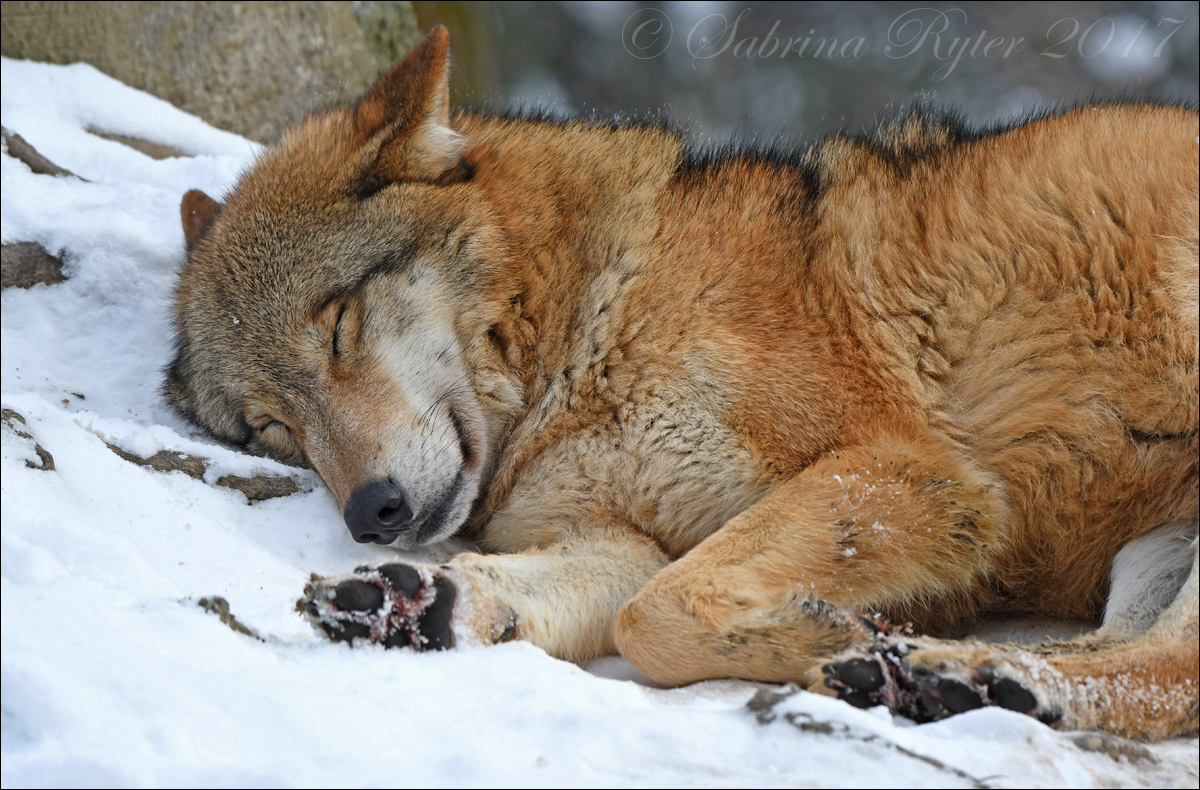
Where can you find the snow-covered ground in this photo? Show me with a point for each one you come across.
(112, 675)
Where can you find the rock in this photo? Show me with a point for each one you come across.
(389, 29)
(763, 703)
(260, 487)
(26, 263)
(152, 150)
(256, 489)
(45, 461)
(220, 607)
(166, 461)
(16, 147)
(246, 67)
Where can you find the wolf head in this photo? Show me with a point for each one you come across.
(339, 308)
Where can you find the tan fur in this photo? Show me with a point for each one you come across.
(923, 374)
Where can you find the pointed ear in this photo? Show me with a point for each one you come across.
(409, 109)
(198, 212)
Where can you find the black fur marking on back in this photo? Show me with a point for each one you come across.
(695, 160)
(917, 134)
(554, 116)
(886, 139)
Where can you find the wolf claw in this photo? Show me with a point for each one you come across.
(395, 605)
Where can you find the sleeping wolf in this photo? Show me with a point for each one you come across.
(732, 412)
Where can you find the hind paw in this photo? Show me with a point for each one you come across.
(395, 605)
(927, 680)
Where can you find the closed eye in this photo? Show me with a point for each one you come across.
(337, 327)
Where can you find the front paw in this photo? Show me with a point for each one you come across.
(927, 680)
(395, 605)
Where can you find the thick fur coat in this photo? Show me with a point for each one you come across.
(707, 408)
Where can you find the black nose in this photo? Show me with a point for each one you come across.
(377, 513)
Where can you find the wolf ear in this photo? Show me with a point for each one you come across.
(410, 108)
(198, 212)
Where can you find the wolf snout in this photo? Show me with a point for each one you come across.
(378, 513)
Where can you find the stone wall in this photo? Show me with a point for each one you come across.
(248, 67)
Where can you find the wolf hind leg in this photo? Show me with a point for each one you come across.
(1147, 576)
(1136, 677)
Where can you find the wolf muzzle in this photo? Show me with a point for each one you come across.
(378, 513)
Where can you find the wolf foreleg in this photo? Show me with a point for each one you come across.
(562, 598)
(771, 595)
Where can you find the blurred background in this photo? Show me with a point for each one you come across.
(719, 68)
(748, 69)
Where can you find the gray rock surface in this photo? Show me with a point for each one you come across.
(152, 150)
(26, 263)
(14, 422)
(15, 146)
(247, 67)
(256, 488)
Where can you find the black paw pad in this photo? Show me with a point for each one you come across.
(942, 697)
(346, 631)
(404, 578)
(863, 674)
(922, 693)
(395, 605)
(434, 623)
(1012, 695)
(356, 596)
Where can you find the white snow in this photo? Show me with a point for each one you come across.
(111, 673)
